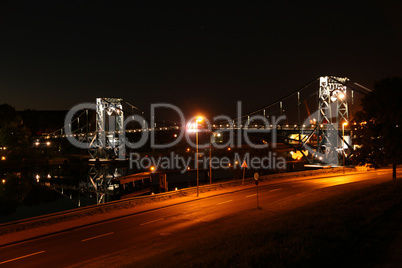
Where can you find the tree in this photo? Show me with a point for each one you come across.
(13, 135)
(378, 130)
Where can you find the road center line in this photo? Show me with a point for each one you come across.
(251, 195)
(275, 190)
(97, 236)
(224, 202)
(29, 255)
(152, 221)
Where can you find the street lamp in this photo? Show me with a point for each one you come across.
(343, 144)
(199, 119)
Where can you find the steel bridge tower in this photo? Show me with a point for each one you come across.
(109, 122)
(332, 113)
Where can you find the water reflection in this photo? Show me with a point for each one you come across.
(45, 188)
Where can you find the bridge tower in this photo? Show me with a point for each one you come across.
(109, 122)
(332, 113)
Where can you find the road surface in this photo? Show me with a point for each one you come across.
(86, 243)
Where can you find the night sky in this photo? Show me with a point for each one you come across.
(202, 56)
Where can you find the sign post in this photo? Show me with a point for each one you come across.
(256, 176)
(244, 165)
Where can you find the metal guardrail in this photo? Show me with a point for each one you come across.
(133, 201)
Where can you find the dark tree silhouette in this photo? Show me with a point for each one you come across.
(13, 134)
(378, 130)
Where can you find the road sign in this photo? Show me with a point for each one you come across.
(244, 165)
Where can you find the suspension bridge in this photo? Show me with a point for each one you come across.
(320, 136)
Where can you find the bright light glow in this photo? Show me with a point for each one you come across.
(48, 143)
(152, 168)
(3, 158)
(229, 149)
(37, 143)
(3, 181)
(199, 119)
(175, 135)
(188, 150)
(345, 124)
(237, 162)
(341, 96)
(37, 177)
(49, 176)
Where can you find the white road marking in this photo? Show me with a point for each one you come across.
(97, 236)
(275, 190)
(152, 221)
(251, 195)
(29, 255)
(224, 202)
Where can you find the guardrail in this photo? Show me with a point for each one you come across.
(134, 201)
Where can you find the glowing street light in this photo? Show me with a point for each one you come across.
(343, 144)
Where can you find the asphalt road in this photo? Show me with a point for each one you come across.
(86, 243)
